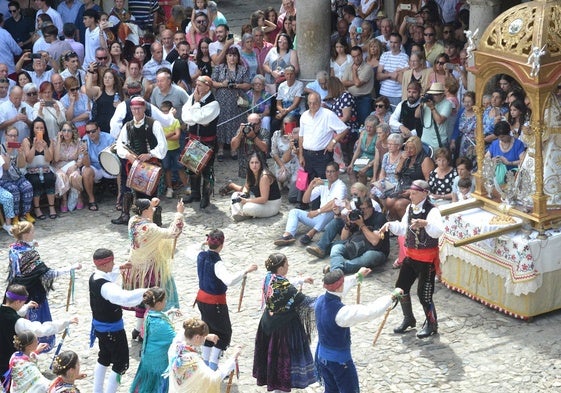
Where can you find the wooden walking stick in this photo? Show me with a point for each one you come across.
(241, 292)
(236, 371)
(358, 293)
(70, 289)
(382, 325)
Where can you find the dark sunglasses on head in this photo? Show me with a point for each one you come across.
(69, 55)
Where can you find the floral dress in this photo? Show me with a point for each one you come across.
(59, 386)
(229, 119)
(25, 375)
(68, 155)
(466, 126)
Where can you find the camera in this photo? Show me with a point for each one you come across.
(247, 128)
(449, 66)
(427, 97)
(355, 214)
(239, 198)
(231, 85)
(295, 143)
(36, 56)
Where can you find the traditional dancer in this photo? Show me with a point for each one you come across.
(24, 372)
(158, 336)
(187, 371)
(27, 268)
(214, 280)
(333, 353)
(421, 225)
(12, 322)
(151, 254)
(67, 366)
(282, 358)
(106, 300)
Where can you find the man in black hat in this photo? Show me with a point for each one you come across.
(421, 225)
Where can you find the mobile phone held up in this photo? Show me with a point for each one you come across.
(14, 145)
(230, 36)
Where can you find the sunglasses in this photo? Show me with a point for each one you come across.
(428, 34)
(101, 57)
(73, 89)
(69, 55)
(91, 131)
(201, 22)
(380, 106)
(441, 62)
(32, 93)
(66, 130)
(13, 11)
(446, 31)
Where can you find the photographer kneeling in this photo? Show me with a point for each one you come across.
(260, 196)
(251, 138)
(362, 245)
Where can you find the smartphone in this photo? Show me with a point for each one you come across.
(449, 66)
(230, 36)
(36, 56)
(359, 30)
(49, 103)
(23, 111)
(14, 145)
(406, 7)
(411, 20)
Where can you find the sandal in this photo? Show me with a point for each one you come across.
(39, 216)
(92, 206)
(52, 216)
(63, 208)
(80, 205)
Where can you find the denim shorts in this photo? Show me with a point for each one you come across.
(171, 160)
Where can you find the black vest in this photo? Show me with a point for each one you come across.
(205, 130)
(419, 238)
(407, 118)
(8, 319)
(102, 309)
(142, 139)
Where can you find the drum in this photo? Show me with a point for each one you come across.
(144, 177)
(109, 160)
(195, 156)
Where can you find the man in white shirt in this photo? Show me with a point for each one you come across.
(327, 190)
(15, 112)
(43, 8)
(217, 49)
(391, 63)
(95, 37)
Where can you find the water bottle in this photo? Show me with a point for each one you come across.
(116, 97)
(41, 176)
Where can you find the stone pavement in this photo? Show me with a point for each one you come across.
(477, 350)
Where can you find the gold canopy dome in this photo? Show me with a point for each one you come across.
(514, 33)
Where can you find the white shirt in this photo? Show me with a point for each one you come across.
(214, 48)
(116, 122)
(159, 151)
(91, 43)
(394, 118)
(114, 293)
(317, 130)
(391, 62)
(39, 329)
(193, 113)
(337, 190)
(434, 228)
(55, 16)
(9, 111)
(224, 275)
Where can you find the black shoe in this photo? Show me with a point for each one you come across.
(136, 336)
(205, 201)
(407, 323)
(303, 206)
(428, 329)
(305, 240)
(192, 198)
(122, 220)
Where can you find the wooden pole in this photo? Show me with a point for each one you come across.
(241, 293)
(381, 325)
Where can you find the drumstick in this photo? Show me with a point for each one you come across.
(241, 293)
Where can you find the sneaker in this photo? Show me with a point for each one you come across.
(28, 217)
(15, 220)
(285, 241)
(316, 251)
(7, 228)
(169, 192)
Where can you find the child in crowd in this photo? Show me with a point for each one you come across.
(67, 366)
(192, 28)
(464, 190)
(214, 280)
(171, 160)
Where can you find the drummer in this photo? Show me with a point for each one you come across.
(92, 172)
(141, 139)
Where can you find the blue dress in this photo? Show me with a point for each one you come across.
(158, 336)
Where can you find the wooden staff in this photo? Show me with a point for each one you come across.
(241, 292)
(358, 293)
(69, 293)
(59, 347)
(382, 325)
(230, 381)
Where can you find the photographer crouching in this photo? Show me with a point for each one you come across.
(435, 114)
(250, 138)
(363, 245)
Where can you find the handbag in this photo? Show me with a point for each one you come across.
(302, 180)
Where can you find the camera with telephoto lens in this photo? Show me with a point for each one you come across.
(427, 97)
(247, 128)
(356, 213)
(239, 198)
